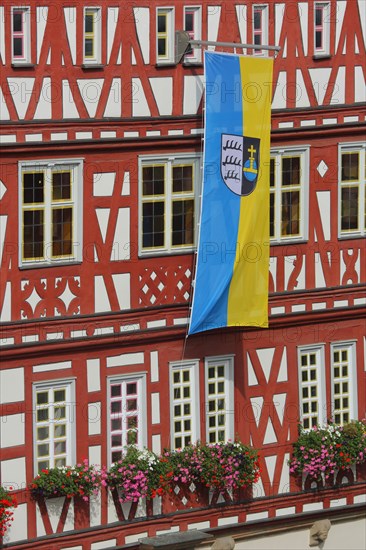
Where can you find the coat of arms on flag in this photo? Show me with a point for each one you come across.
(239, 163)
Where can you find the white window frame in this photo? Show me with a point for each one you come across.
(360, 148)
(26, 57)
(140, 379)
(194, 400)
(47, 167)
(278, 154)
(169, 161)
(169, 11)
(96, 58)
(352, 378)
(318, 350)
(69, 384)
(228, 361)
(324, 29)
(196, 55)
(264, 28)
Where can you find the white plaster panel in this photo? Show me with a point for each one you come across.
(90, 90)
(42, 13)
(257, 515)
(154, 362)
(21, 89)
(338, 95)
(12, 430)
(279, 400)
(181, 321)
(101, 299)
(70, 23)
(134, 538)
(121, 241)
(103, 184)
(8, 138)
(111, 510)
(103, 219)
(162, 88)
(362, 11)
(108, 134)
(319, 273)
(122, 284)
(19, 527)
(319, 305)
(2, 35)
(156, 443)
(289, 267)
(270, 436)
(289, 511)
(273, 270)
(126, 184)
(3, 223)
(11, 385)
(241, 16)
(284, 486)
(359, 499)
(279, 96)
(213, 20)
(303, 17)
(271, 465)
(133, 57)
(265, 357)
(320, 79)
(13, 473)
(198, 525)
(95, 454)
(95, 503)
(323, 198)
(302, 99)
(257, 406)
(155, 408)
(119, 56)
(279, 19)
(114, 102)
(232, 520)
(112, 18)
(69, 109)
(341, 8)
(59, 136)
(286, 124)
(156, 324)
(360, 83)
(277, 310)
(110, 543)
(309, 507)
(140, 106)
(193, 90)
(142, 22)
(40, 530)
(46, 367)
(93, 374)
(4, 113)
(125, 359)
(252, 379)
(94, 416)
(282, 373)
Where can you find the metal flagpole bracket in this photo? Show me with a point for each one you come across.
(184, 44)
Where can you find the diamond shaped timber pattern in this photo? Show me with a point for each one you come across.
(164, 285)
(50, 297)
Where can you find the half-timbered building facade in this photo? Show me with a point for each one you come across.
(100, 183)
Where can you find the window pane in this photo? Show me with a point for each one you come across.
(33, 234)
(272, 167)
(271, 214)
(62, 231)
(183, 220)
(189, 21)
(17, 21)
(18, 46)
(257, 40)
(88, 47)
(33, 187)
(59, 395)
(89, 19)
(60, 430)
(290, 213)
(318, 16)
(61, 185)
(318, 39)
(349, 208)
(291, 171)
(42, 433)
(350, 167)
(162, 23)
(257, 19)
(162, 49)
(131, 389)
(153, 224)
(116, 390)
(60, 447)
(153, 180)
(182, 179)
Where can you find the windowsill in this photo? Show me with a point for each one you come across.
(192, 64)
(289, 241)
(160, 64)
(94, 66)
(22, 65)
(320, 56)
(154, 253)
(41, 265)
(351, 236)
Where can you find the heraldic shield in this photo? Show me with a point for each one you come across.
(240, 163)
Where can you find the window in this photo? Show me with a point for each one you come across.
(168, 188)
(321, 28)
(126, 422)
(312, 387)
(184, 400)
(165, 35)
(219, 399)
(344, 408)
(53, 425)
(352, 199)
(20, 27)
(192, 25)
(92, 36)
(50, 197)
(288, 181)
(260, 28)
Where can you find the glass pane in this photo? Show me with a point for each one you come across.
(60, 412)
(187, 409)
(349, 208)
(132, 422)
(42, 465)
(88, 47)
(116, 455)
(272, 172)
(350, 166)
(59, 395)
(161, 22)
(257, 19)
(186, 376)
(18, 46)
(42, 398)
(183, 222)
(131, 404)
(116, 407)
(43, 433)
(33, 234)
(60, 462)
(290, 213)
(257, 40)
(182, 179)
(116, 390)
(177, 410)
(17, 21)
(131, 438)
(162, 46)
(189, 21)
(61, 185)
(116, 440)
(116, 424)
(271, 214)
(220, 371)
(153, 180)
(211, 372)
(153, 224)
(291, 171)
(60, 430)
(131, 389)
(318, 39)
(33, 187)
(176, 377)
(43, 449)
(62, 231)
(89, 19)
(60, 447)
(42, 415)
(318, 16)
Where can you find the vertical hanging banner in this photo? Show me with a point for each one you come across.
(232, 270)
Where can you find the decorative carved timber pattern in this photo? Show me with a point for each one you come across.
(164, 285)
(50, 297)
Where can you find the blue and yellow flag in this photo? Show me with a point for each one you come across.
(231, 283)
